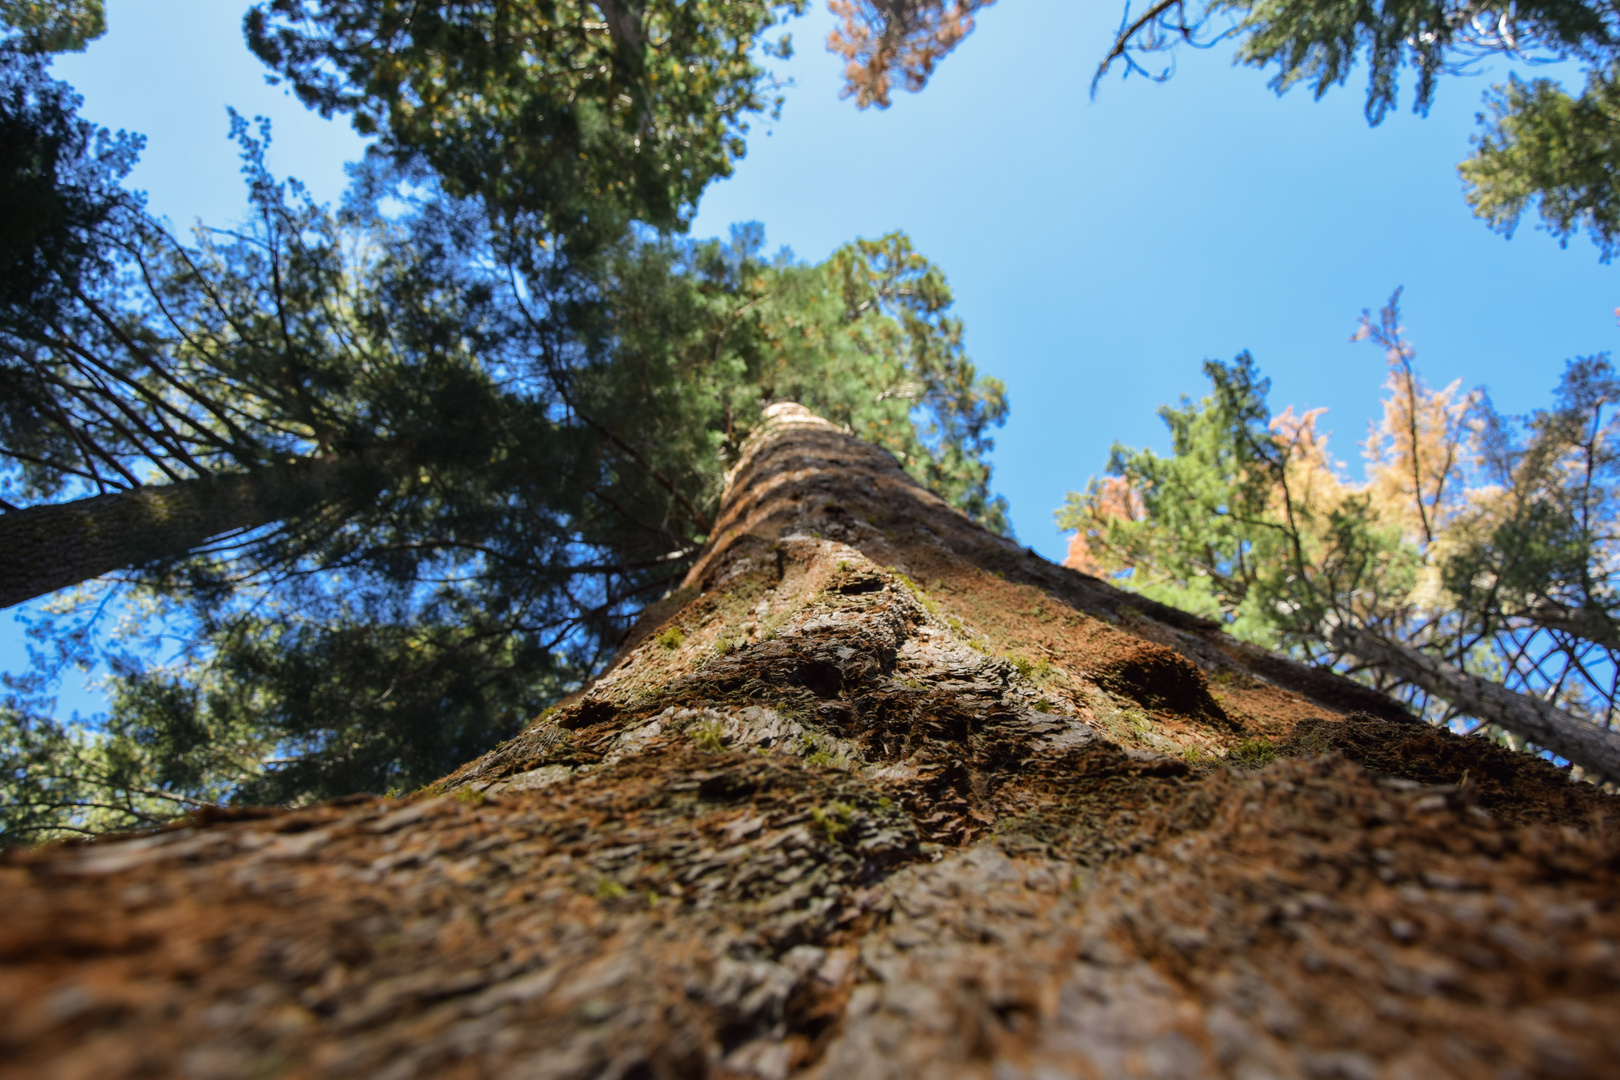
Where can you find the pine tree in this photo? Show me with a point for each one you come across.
(415, 452)
(1470, 572)
(573, 117)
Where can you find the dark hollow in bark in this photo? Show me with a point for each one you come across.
(59, 545)
(876, 794)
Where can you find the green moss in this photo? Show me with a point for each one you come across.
(708, 736)
(916, 590)
(672, 637)
(471, 796)
(1251, 754)
(1138, 721)
(608, 889)
(825, 752)
(832, 820)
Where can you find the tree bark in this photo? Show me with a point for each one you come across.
(875, 794)
(1594, 749)
(59, 545)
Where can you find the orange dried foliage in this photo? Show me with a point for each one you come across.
(1315, 479)
(1113, 499)
(1417, 454)
(884, 39)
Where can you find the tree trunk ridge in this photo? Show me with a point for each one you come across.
(874, 794)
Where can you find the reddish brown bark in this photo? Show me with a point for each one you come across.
(877, 794)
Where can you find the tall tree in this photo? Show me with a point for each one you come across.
(876, 794)
(1473, 568)
(91, 379)
(563, 127)
(576, 116)
(499, 462)
(190, 392)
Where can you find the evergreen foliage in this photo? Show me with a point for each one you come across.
(1544, 147)
(1539, 144)
(1485, 540)
(580, 114)
(60, 183)
(537, 437)
(53, 26)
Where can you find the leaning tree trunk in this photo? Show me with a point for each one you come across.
(875, 794)
(59, 545)
(1595, 749)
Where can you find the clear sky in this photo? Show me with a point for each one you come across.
(1099, 250)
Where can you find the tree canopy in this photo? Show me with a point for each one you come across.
(369, 486)
(1538, 143)
(579, 115)
(377, 483)
(1540, 146)
(1483, 541)
(52, 26)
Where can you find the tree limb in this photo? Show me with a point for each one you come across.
(58, 545)
(1585, 744)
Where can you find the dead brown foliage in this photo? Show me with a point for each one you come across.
(885, 40)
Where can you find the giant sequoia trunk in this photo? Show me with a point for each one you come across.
(876, 794)
(59, 545)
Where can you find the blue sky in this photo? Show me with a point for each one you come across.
(1099, 250)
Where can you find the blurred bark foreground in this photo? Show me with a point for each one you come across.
(875, 794)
